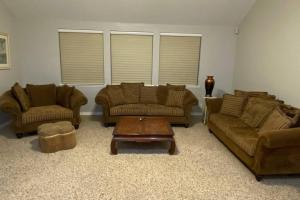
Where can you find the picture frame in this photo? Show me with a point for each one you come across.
(4, 51)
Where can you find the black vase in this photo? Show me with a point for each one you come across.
(209, 86)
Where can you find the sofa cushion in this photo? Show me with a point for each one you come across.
(244, 137)
(42, 95)
(63, 95)
(148, 94)
(259, 94)
(277, 120)
(257, 110)
(224, 122)
(45, 113)
(161, 110)
(175, 87)
(233, 105)
(116, 95)
(21, 96)
(128, 109)
(132, 92)
(162, 94)
(175, 98)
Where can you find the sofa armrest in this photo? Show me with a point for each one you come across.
(213, 105)
(281, 138)
(9, 104)
(103, 99)
(190, 99)
(77, 99)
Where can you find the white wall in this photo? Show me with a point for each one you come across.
(8, 76)
(268, 50)
(38, 52)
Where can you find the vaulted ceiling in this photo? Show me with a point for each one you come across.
(192, 12)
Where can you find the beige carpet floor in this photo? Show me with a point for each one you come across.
(202, 169)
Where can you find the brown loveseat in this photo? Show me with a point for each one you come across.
(264, 152)
(47, 103)
(135, 99)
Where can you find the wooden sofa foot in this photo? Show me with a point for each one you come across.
(19, 135)
(76, 126)
(258, 178)
(186, 125)
(210, 131)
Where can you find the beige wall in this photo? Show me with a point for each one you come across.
(38, 52)
(7, 77)
(268, 50)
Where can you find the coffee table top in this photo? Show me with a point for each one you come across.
(148, 126)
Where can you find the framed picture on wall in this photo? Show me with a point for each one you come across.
(4, 51)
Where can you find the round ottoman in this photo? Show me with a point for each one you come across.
(56, 136)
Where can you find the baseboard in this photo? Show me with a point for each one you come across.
(100, 113)
(5, 124)
(90, 113)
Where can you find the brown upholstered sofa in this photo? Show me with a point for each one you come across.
(135, 99)
(44, 106)
(264, 152)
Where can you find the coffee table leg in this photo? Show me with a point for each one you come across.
(113, 147)
(172, 147)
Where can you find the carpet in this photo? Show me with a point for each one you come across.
(202, 168)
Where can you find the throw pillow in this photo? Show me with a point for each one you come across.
(63, 95)
(175, 98)
(149, 94)
(21, 96)
(257, 110)
(42, 95)
(277, 120)
(132, 92)
(162, 94)
(116, 95)
(232, 105)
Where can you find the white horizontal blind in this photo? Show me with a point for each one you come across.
(179, 59)
(81, 56)
(131, 58)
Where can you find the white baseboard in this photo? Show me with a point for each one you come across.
(100, 113)
(5, 124)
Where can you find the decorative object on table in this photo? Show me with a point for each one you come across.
(4, 51)
(57, 136)
(209, 85)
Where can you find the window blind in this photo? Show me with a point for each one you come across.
(131, 58)
(179, 59)
(81, 57)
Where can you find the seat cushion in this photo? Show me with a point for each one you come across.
(244, 137)
(161, 110)
(42, 95)
(224, 122)
(132, 92)
(45, 113)
(128, 109)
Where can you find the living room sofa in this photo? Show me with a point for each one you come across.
(135, 99)
(264, 152)
(46, 103)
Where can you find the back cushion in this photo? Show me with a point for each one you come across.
(176, 87)
(233, 105)
(132, 92)
(249, 94)
(162, 94)
(63, 95)
(257, 110)
(175, 98)
(42, 95)
(148, 95)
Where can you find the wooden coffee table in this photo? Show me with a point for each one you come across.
(143, 129)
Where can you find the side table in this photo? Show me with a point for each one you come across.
(204, 107)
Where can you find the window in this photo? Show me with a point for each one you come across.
(81, 57)
(179, 57)
(131, 57)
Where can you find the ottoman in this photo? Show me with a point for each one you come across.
(56, 136)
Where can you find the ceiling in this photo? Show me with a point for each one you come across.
(190, 12)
